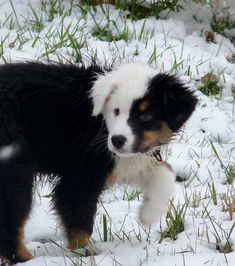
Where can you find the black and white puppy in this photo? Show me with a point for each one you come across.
(84, 128)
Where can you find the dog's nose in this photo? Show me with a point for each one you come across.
(118, 141)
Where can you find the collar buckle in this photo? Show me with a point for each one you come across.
(157, 155)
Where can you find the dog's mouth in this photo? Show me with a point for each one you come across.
(122, 152)
(123, 147)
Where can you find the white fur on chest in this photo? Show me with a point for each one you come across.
(134, 170)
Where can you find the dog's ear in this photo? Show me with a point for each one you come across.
(178, 101)
(101, 91)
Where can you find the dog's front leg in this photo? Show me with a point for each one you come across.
(157, 188)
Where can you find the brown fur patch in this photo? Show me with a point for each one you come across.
(22, 253)
(110, 180)
(144, 105)
(158, 137)
(78, 239)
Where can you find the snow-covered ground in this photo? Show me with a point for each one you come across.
(203, 154)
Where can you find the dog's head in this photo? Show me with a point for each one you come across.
(142, 109)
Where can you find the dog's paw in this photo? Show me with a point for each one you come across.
(150, 212)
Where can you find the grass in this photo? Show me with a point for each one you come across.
(233, 92)
(220, 24)
(140, 10)
(106, 35)
(36, 20)
(210, 85)
(197, 198)
(130, 195)
(229, 169)
(175, 221)
(222, 238)
(105, 228)
(213, 193)
(228, 203)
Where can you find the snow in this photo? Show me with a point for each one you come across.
(174, 43)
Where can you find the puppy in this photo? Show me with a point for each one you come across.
(84, 128)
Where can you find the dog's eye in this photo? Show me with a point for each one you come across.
(145, 117)
(116, 111)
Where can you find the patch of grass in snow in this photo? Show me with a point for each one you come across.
(105, 228)
(56, 8)
(6, 59)
(104, 34)
(210, 85)
(228, 204)
(233, 92)
(35, 20)
(196, 199)
(175, 221)
(134, 194)
(155, 55)
(15, 13)
(48, 24)
(230, 173)
(70, 37)
(105, 234)
(8, 22)
(228, 169)
(222, 238)
(220, 24)
(213, 193)
(19, 40)
(111, 31)
(139, 10)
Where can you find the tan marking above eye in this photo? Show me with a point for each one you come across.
(112, 90)
(144, 105)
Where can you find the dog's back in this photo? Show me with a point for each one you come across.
(46, 126)
(47, 107)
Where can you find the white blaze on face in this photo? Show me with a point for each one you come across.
(130, 83)
(118, 124)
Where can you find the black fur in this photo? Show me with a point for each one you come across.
(170, 101)
(45, 112)
(175, 100)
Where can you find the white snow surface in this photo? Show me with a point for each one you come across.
(179, 45)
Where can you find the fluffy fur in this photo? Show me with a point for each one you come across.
(85, 128)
